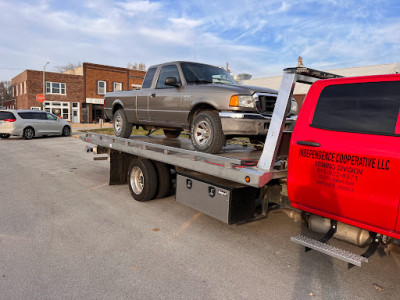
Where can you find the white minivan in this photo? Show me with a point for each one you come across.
(31, 123)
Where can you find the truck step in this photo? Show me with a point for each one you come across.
(344, 255)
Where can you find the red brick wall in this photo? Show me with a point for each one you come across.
(21, 99)
(94, 72)
(136, 77)
(78, 88)
(34, 86)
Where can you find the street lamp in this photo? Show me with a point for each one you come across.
(44, 81)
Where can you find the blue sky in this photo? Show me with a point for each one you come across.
(254, 36)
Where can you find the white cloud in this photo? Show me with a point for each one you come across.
(133, 8)
(185, 22)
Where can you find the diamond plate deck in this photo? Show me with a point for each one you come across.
(344, 255)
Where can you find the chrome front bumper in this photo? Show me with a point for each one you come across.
(237, 123)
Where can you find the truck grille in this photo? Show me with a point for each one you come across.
(265, 103)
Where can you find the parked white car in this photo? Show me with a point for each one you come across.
(31, 123)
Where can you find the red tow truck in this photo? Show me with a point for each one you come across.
(338, 169)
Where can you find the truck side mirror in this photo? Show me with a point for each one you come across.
(172, 81)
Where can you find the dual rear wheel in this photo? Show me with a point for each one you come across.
(148, 179)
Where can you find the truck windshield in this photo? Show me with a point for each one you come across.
(202, 74)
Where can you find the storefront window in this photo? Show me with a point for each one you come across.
(60, 109)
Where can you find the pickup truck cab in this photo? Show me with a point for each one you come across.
(200, 98)
(344, 157)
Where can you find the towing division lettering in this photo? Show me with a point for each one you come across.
(341, 171)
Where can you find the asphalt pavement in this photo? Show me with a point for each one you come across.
(66, 234)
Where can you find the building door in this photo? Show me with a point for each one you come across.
(75, 112)
(85, 113)
(98, 112)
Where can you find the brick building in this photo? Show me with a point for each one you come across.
(64, 92)
(76, 95)
(100, 79)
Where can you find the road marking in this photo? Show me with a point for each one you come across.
(98, 186)
(185, 226)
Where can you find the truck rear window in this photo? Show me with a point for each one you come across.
(4, 115)
(148, 79)
(371, 108)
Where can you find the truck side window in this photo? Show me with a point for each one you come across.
(148, 79)
(371, 107)
(167, 71)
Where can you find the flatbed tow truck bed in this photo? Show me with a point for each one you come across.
(237, 163)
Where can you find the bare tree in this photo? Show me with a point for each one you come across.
(137, 66)
(69, 66)
(5, 92)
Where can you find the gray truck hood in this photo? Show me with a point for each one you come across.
(238, 89)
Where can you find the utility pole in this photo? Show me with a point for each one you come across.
(44, 80)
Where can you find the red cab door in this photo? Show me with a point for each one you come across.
(344, 160)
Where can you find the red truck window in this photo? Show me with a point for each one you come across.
(371, 108)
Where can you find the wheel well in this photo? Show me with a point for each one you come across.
(116, 107)
(29, 127)
(197, 108)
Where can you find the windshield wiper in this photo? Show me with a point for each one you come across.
(202, 81)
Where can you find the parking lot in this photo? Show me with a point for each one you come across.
(65, 233)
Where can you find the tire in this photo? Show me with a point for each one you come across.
(121, 125)
(4, 136)
(66, 131)
(164, 180)
(206, 132)
(142, 179)
(172, 133)
(28, 133)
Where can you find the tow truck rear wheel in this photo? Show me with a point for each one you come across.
(206, 132)
(172, 133)
(122, 127)
(142, 179)
(164, 179)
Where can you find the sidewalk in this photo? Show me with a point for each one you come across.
(76, 127)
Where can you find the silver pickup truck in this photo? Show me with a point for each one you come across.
(200, 98)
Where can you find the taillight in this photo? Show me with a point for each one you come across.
(10, 120)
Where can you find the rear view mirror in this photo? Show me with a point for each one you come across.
(172, 81)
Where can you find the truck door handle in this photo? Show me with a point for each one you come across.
(306, 143)
(153, 95)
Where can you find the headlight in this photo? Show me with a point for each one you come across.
(293, 107)
(241, 101)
